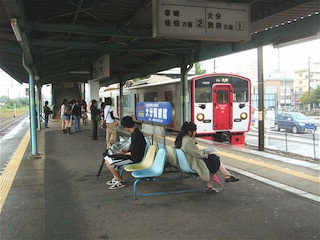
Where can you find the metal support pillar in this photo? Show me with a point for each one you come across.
(261, 99)
(184, 91)
(121, 99)
(53, 103)
(183, 95)
(32, 109)
(39, 107)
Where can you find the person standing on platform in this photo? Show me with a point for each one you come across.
(64, 116)
(69, 113)
(84, 112)
(111, 122)
(76, 112)
(47, 112)
(95, 117)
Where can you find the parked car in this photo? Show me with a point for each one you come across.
(295, 122)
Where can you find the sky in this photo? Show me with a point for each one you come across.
(286, 59)
(10, 87)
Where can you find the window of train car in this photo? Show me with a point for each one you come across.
(222, 96)
(126, 101)
(150, 97)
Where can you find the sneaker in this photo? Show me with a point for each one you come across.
(118, 184)
(111, 182)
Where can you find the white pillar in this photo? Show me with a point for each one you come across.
(93, 90)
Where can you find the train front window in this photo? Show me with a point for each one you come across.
(240, 88)
(240, 96)
(222, 96)
(203, 95)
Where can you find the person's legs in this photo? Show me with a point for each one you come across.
(64, 125)
(76, 123)
(46, 120)
(113, 163)
(227, 175)
(113, 133)
(224, 171)
(209, 185)
(114, 172)
(107, 138)
(95, 130)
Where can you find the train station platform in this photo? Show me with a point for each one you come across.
(58, 196)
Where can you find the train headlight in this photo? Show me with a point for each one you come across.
(243, 116)
(200, 116)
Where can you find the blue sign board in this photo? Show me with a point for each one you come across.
(155, 112)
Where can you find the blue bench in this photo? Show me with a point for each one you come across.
(157, 169)
(185, 166)
(151, 173)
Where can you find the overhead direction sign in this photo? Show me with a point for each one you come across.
(201, 20)
(101, 68)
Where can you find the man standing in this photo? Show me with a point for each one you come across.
(47, 112)
(95, 117)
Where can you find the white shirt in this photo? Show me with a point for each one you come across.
(107, 114)
(63, 110)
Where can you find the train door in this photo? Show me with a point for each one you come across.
(136, 100)
(222, 106)
(168, 97)
(118, 105)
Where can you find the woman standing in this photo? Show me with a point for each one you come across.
(64, 116)
(206, 165)
(111, 122)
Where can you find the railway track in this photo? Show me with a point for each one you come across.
(7, 123)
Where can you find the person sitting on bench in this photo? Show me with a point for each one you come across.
(206, 165)
(133, 155)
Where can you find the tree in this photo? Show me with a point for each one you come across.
(198, 69)
(317, 95)
(314, 96)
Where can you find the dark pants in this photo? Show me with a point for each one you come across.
(46, 120)
(94, 130)
(213, 163)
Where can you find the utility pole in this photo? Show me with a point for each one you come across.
(309, 105)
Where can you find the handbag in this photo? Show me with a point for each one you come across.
(104, 124)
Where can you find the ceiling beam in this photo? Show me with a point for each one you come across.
(112, 47)
(91, 30)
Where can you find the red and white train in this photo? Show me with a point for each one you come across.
(220, 104)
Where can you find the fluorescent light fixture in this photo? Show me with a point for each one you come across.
(79, 72)
(16, 29)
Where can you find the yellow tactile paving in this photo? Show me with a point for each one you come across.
(273, 167)
(8, 175)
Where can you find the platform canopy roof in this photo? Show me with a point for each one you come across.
(62, 39)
